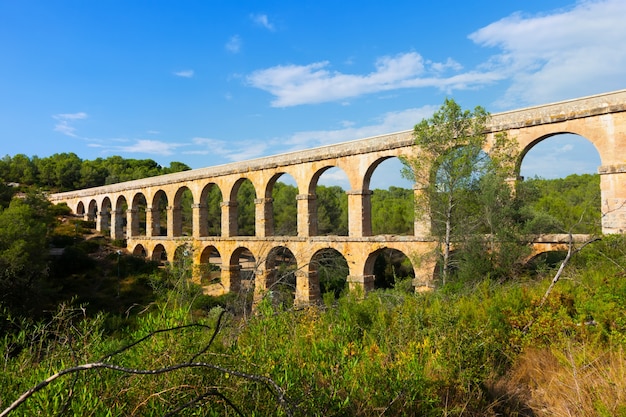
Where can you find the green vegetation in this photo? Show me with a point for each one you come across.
(119, 336)
(66, 171)
(456, 351)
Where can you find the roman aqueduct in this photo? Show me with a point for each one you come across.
(123, 207)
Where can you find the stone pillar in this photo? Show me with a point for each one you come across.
(132, 223)
(102, 221)
(151, 216)
(199, 220)
(174, 222)
(117, 224)
(229, 218)
(307, 214)
(421, 221)
(231, 278)
(359, 213)
(307, 288)
(263, 281)
(264, 220)
(613, 198)
(361, 284)
(424, 273)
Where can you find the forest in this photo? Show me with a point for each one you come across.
(93, 331)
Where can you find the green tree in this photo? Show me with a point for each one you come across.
(285, 209)
(465, 194)
(24, 226)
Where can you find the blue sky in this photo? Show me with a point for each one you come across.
(212, 82)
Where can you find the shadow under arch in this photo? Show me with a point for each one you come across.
(210, 266)
(281, 268)
(389, 267)
(328, 271)
(139, 251)
(159, 254)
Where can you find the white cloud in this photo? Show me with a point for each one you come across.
(65, 121)
(234, 44)
(230, 150)
(262, 20)
(565, 54)
(389, 122)
(153, 147)
(313, 83)
(184, 73)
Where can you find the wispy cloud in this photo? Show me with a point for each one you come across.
(262, 20)
(564, 54)
(151, 147)
(65, 123)
(234, 44)
(386, 123)
(229, 150)
(184, 73)
(314, 83)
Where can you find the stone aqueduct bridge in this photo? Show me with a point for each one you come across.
(601, 119)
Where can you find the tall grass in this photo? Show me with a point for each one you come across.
(466, 351)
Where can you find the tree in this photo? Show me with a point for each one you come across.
(23, 248)
(465, 194)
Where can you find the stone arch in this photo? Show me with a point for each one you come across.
(393, 215)
(241, 274)
(159, 210)
(140, 251)
(243, 199)
(92, 210)
(182, 212)
(211, 264)
(335, 218)
(541, 139)
(280, 275)
(584, 216)
(118, 218)
(285, 198)
(210, 212)
(80, 209)
(138, 209)
(103, 224)
(328, 272)
(159, 254)
(387, 266)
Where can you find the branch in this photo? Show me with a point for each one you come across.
(571, 251)
(278, 391)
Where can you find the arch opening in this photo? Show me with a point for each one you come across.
(331, 201)
(560, 185)
(392, 200)
(183, 214)
(391, 268)
(139, 207)
(159, 214)
(246, 209)
(280, 271)
(284, 192)
(210, 268)
(329, 269)
(159, 254)
(211, 215)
